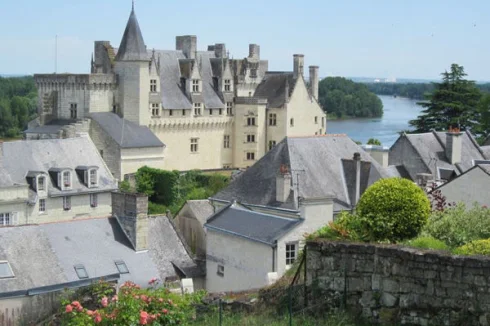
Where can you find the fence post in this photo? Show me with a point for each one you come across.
(290, 308)
(220, 305)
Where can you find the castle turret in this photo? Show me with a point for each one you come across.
(132, 62)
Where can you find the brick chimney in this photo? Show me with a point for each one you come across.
(131, 211)
(314, 81)
(283, 184)
(357, 160)
(298, 65)
(454, 144)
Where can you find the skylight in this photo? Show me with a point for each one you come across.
(5, 270)
(81, 271)
(121, 267)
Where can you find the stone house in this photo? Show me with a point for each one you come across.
(438, 156)
(248, 249)
(470, 187)
(130, 245)
(190, 221)
(53, 180)
(211, 111)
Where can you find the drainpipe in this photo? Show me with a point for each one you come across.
(357, 160)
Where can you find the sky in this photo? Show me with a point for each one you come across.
(376, 38)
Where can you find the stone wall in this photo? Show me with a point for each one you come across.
(391, 285)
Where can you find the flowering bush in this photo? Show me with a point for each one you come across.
(133, 306)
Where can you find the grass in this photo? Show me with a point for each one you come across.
(235, 319)
(424, 242)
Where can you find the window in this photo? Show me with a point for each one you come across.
(221, 270)
(42, 206)
(41, 184)
(81, 271)
(226, 141)
(250, 121)
(153, 85)
(272, 119)
(227, 85)
(155, 109)
(210, 111)
(227, 166)
(229, 108)
(121, 267)
(6, 219)
(272, 143)
(66, 203)
(94, 200)
(250, 138)
(5, 270)
(195, 85)
(197, 108)
(290, 253)
(92, 175)
(73, 110)
(220, 111)
(250, 156)
(194, 145)
(316, 120)
(66, 179)
(170, 112)
(291, 122)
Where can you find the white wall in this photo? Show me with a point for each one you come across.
(246, 263)
(134, 158)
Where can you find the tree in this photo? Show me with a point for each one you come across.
(452, 104)
(482, 129)
(393, 209)
(374, 141)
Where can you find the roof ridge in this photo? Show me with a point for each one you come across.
(319, 136)
(265, 214)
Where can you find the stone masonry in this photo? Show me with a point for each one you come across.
(391, 285)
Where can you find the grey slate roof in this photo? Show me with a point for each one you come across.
(5, 179)
(315, 162)
(277, 87)
(47, 253)
(432, 146)
(486, 151)
(201, 209)
(237, 220)
(46, 129)
(132, 46)
(24, 156)
(125, 133)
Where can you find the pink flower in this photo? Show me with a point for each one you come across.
(104, 302)
(170, 301)
(79, 308)
(75, 304)
(68, 308)
(115, 298)
(98, 319)
(143, 318)
(136, 297)
(165, 311)
(160, 300)
(90, 312)
(153, 280)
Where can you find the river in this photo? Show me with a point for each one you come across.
(397, 112)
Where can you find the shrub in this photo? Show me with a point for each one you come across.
(478, 247)
(393, 209)
(424, 242)
(346, 227)
(457, 226)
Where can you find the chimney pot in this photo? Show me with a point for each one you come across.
(314, 81)
(357, 156)
(298, 65)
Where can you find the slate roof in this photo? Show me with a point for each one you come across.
(24, 156)
(240, 221)
(486, 151)
(48, 252)
(132, 46)
(277, 87)
(431, 146)
(125, 133)
(201, 209)
(317, 168)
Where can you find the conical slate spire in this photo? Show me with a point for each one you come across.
(132, 46)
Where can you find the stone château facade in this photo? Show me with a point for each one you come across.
(207, 110)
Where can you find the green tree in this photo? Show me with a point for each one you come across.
(482, 129)
(393, 209)
(374, 141)
(452, 104)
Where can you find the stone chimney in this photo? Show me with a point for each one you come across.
(299, 63)
(357, 160)
(379, 153)
(283, 184)
(254, 51)
(314, 81)
(187, 44)
(220, 50)
(131, 211)
(454, 143)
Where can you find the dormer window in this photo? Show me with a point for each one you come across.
(195, 86)
(41, 184)
(66, 179)
(227, 85)
(153, 85)
(92, 175)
